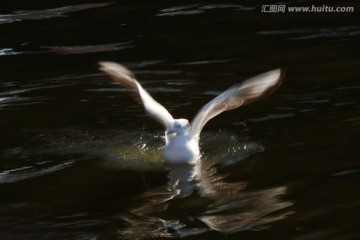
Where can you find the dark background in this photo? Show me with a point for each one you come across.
(59, 116)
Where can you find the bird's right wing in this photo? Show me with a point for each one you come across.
(236, 96)
(126, 78)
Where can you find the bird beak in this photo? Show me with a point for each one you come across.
(171, 131)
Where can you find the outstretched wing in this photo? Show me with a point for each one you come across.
(126, 78)
(236, 96)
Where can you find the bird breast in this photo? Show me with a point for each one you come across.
(181, 150)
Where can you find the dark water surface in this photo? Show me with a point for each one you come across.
(80, 160)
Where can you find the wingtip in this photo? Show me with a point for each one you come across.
(279, 75)
(103, 64)
(282, 75)
(116, 70)
(110, 65)
(281, 72)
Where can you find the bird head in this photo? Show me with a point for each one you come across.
(181, 126)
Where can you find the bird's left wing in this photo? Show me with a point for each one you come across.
(236, 96)
(123, 75)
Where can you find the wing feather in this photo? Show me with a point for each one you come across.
(247, 92)
(127, 79)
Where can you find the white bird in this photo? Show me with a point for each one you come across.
(182, 139)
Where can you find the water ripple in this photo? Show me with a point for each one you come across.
(195, 9)
(88, 48)
(19, 174)
(271, 117)
(22, 15)
(7, 52)
(15, 95)
(204, 62)
(16, 101)
(315, 32)
(71, 49)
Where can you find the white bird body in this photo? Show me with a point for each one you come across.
(182, 139)
(180, 146)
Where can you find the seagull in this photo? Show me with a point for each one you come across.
(181, 137)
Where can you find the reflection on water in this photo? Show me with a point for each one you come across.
(215, 205)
